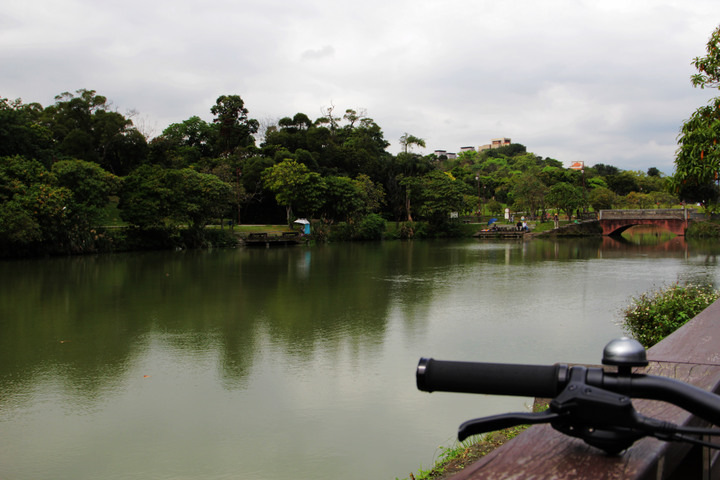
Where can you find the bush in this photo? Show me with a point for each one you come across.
(653, 316)
(371, 227)
(410, 230)
(703, 230)
(341, 232)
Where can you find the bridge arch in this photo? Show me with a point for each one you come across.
(614, 222)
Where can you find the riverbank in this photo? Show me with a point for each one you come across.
(116, 239)
(456, 458)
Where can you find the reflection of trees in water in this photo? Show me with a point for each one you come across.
(109, 311)
(60, 318)
(329, 299)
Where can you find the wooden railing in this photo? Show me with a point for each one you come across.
(691, 354)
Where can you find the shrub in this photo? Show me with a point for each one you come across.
(409, 230)
(341, 232)
(653, 316)
(371, 227)
(703, 230)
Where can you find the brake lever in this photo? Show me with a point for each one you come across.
(504, 420)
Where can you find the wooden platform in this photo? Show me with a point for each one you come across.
(264, 239)
(502, 233)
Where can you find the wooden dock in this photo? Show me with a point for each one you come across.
(264, 239)
(502, 232)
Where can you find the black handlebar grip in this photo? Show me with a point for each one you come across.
(490, 378)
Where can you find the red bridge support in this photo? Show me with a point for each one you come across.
(616, 227)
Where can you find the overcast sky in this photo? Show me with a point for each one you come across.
(601, 81)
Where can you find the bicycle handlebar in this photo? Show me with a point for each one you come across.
(548, 381)
(490, 378)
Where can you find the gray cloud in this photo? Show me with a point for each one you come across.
(326, 51)
(603, 82)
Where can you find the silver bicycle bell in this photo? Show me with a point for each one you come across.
(624, 353)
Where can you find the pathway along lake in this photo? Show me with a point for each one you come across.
(291, 363)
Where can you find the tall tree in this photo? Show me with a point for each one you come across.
(236, 129)
(407, 141)
(296, 186)
(697, 160)
(566, 197)
(21, 131)
(83, 127)
(153, 196)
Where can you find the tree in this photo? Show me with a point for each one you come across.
(22, 133)
(566, 197)
(90, 185)
(236, 130)
(623, 182)
(83, 127)
(35, 211)
(602, 198)
(441, 195)
(199, 197)
(294, 185)
(529, 193)
(183, 144)
(407, 141)
(371, 195)
(341, 199)
(155, 197)
(697, 160)
(637, 200)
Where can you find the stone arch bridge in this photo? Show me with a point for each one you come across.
(614, 222)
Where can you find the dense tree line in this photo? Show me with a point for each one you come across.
(62, 165)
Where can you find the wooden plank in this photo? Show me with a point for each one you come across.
(698, 341)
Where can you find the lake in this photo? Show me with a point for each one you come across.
(292, 363)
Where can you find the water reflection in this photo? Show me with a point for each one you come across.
(241, 352)
(87, 319)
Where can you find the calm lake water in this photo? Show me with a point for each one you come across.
(291, 363)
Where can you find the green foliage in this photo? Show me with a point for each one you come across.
(371, 227)
(90, 186)
(154, 197)
(494, 207)
(698, 157)
(566, 197)
(84, 127)
(341, 199)
(411, 230)
(22, 132)
(528, 193)
(653, 316)
(335, 167)
(703, 230)
(709, 66)
(407, 141)
(441, 194)
(38, 214)
(235, 128)
(296, 186)
(602, 199)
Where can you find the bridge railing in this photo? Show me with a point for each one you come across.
(658, 213)
(690, 354)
